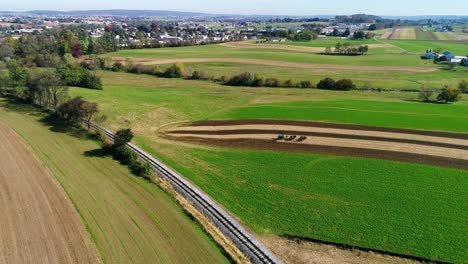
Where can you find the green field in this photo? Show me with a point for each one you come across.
(420, 46)
(218, 51)
(328, 42)
(130, 220)
(384, 80)
(392, 206)
(403, 53)
(397, 207)
(384, 114)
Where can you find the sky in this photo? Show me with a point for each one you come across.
(257, 7)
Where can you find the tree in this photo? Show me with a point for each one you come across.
(347, 32)
(425, 94)
(72, 109)
(359, 35)
(344, 85)
(372, 27)
(18, 77)
(175, 71)
(463, 86)
(47, 89)
(76, 50)
(336, 32)
(89, 109)
(243, 79)
(122, 137)
(326, 84)
(6, 52)
(449, 94)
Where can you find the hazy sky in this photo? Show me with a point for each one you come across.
(274, 7)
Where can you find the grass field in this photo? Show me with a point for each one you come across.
(400, 53)
(362, 202)
(54, 234)
(319, 209)
(218, 51)
(422, 34)
(130, 220)
(384, 114)
(148, 102)
(329, 42)
(390, 206)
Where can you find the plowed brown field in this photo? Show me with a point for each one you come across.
(426, 147)
(38, 224)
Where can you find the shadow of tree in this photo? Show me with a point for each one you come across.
(96, 153)
(421, 102)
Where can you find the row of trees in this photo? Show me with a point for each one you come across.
(254, 80)
(347, 49)
(362, 35)
(302, 36)
(448, 94)
(340, 85)
(119, 151)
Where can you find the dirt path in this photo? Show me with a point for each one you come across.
(153, 61)
(426, 147)
(243, 44)
(38, 222)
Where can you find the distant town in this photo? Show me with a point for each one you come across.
(144, 31)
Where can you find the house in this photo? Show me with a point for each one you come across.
(430, 55)
(277, 40)
(464, 62)
(458, 59)
(446, 56)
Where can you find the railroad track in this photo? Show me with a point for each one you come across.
(230, 227)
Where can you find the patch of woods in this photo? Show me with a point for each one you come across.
(347, 49)
(47, 90)
(448, 94)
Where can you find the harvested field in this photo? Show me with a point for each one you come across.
(445, 36)
(131, 220)
(146, 61)
(290, 47)
(400, 33)
(39, 223)
(386, 35)
(425, 147)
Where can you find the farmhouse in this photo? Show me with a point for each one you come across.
(278, 39)
(458, 59)
(464, 62)
(430, 55)
(446, 56)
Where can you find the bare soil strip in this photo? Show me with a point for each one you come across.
(289, 47)
(38, 223)
(425, 147)
(154, 61)
(331, 132)
(328, 125)
(386, 35)
(344, 142)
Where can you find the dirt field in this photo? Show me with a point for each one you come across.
(146, 61)
(289, 47)
(400, 33)
(38, 223)
(305, 252)
(426, 147)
